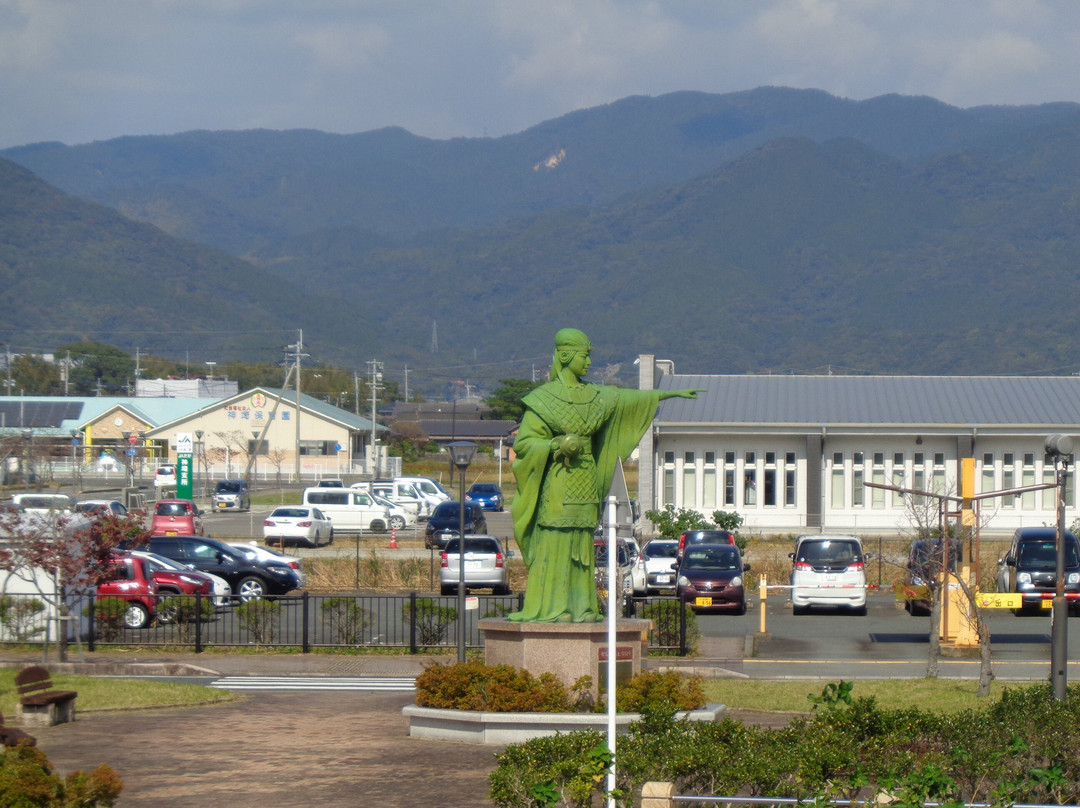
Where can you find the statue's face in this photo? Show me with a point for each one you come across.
(580, 364)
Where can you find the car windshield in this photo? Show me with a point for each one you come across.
(830, 551)
(163, 563)
(1042, 555)
(228, 487)
(661, 550)
(622, 557)
(474, 545)
(485, 488)
(712, 558)
(293, 513)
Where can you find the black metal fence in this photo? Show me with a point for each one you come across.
(416, 622)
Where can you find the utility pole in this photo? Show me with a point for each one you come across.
(375, 369)
(406, 383)
(297, 350)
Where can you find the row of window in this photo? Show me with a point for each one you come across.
(772, 485)
(769, 479)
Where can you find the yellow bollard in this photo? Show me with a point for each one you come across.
(763, 592)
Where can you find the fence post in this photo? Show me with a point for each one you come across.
(306, 612)
(412, 624)
(657, 795)
(93, 624)
(198, 622)
(682, 626)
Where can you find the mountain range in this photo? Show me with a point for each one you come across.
(773, 230)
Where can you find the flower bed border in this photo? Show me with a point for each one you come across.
(506, 728)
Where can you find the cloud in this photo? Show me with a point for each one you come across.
(74, 70)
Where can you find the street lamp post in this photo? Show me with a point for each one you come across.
(74, 464)
(255, 460)
(1059, 447)
(461, 453)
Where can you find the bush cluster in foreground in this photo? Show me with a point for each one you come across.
(1021, 748)
(506, 689)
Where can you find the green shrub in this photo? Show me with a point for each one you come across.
(663, 691)
(260, 618)
(432, 620)
(27, 779)
(346, 618)
(108, 618)
(20, 617)
(491, 688)
(665, 632)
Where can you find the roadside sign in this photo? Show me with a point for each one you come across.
(133, 439)
(999, 600)
(184, 444)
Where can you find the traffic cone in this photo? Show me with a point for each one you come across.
(393, 538)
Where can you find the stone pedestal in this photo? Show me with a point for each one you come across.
(568, 650)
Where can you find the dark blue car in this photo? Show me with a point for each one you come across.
(487, 495)
(445, 522)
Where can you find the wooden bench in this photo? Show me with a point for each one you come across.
(11, 736)
(39, 704)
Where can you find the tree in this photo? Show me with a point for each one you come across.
(98, 364)
(59, 554)
(505, 401)
(35, 376)
(671, 523)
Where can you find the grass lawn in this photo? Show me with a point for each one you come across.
(931, 695)
(99, 693)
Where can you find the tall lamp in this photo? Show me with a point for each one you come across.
(1059, 447)
(462, 453)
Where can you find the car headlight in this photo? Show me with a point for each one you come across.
(736, 581)
(1074, 578)
(684, 581)
(188, 579)
(917, 581)
(279, 570)
(1023, 578)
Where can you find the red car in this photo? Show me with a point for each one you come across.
(176, 517)
(131, 580)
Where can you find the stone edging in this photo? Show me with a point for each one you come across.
(506, 728)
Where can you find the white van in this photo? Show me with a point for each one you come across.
(401, 493)
(349, 510)
(44, 503)
(428, 489)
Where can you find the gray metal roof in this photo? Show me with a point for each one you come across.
(850, 400)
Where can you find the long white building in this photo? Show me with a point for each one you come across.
(794, 453)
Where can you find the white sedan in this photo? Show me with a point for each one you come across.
(298, 524)
(400, 516)
(261, 554)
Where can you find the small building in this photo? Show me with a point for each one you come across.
(795, 453)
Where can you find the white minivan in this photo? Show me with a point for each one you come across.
(349, 510)
(428, 489)
(828, 570)
(401, 493)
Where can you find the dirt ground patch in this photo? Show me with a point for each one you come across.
(288, 750)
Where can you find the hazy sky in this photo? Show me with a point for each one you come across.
(81, 70)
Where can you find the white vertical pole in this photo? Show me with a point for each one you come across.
(612, 605)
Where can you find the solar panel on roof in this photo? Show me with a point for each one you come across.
(38, 414)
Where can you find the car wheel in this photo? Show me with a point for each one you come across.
(250, 588)
(318, 538)
(331, 539)
(397, 522)
(859, 611)
(136, 615)
(742, 608)
(800, 609)
(377, 526)
(446, 589)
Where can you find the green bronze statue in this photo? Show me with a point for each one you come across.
(571, 437)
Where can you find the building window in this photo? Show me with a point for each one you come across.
(939, 473)
(1049, 495)
(689, 481)
(769, 480)
(899, 470)
(877, 476)
(1008, 479)
(1027, 500)
(708, 482)
(319, 448)
(729, 478)
(669, 478)
(790, 479)
(837, 498)
(918, 476)
(987, 473)
(750, 479)
(858, 491)
(263, 450)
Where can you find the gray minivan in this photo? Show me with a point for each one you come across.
(1030, 568)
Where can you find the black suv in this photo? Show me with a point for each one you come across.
(249, 578)
(445, 521)
(1030, 567)
(704, 537)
